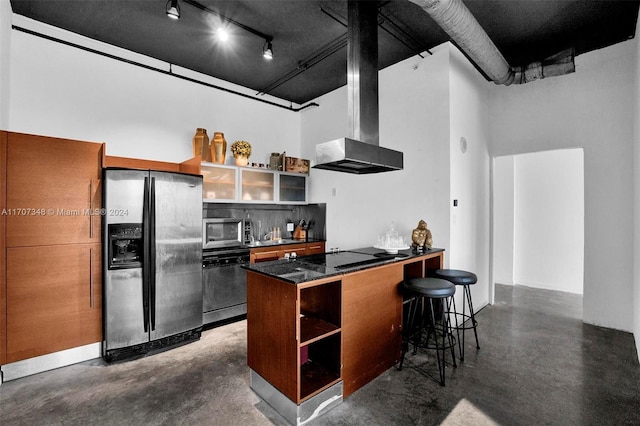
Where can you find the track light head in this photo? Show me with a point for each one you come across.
(173, 9)
(267, 50)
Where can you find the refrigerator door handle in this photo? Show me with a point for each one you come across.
(145, 255)
(152, 253)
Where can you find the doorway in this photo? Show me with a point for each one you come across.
(538, 220)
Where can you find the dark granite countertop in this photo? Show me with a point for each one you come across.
(317, 266)
(282, 242)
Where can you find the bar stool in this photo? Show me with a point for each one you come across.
(464, 279)
(420, 291)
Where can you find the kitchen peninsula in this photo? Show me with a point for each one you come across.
(320, 327)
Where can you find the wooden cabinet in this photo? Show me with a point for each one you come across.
(315, 248)
(264, 254)
(294, 250)
(54, 299)
(51, 268)
(54, 191)
(372, 342)
(304, 357)
(319, 341)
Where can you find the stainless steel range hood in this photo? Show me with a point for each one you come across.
(360, 153)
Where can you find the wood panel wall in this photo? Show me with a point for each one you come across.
(3, 249)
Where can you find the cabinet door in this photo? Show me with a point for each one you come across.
(219, 183)
(54, 299)
(264, 256)
(298, 249)
(53, 191)
(315, 248)
(257, 186)
(292, 188)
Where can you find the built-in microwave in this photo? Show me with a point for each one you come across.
(222, 232)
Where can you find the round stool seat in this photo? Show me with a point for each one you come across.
(456, 276)
(434, 288)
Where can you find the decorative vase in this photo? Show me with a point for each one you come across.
(218, 148)
(275, 161)
(201, 145)
(241, 160)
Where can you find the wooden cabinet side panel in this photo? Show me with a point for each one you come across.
(54, 297)
(271, 332)
(53, 186)
(192, 166)
(3, 245)
(371, 324)
(135, 163)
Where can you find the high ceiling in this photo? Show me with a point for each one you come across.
(309, 37)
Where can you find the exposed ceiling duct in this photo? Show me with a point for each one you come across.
(463, 28)
(360, 153)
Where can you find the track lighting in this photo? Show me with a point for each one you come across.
(223, 35)
(173, 9)
(267, 50)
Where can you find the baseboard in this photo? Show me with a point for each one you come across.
(27, 367)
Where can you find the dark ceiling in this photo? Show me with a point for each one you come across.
(309, 37)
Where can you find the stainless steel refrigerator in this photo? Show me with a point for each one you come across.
(152, 269)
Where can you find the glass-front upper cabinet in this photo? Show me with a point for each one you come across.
(228, 184)
(219, 183)
(257, 186)
(292, 188)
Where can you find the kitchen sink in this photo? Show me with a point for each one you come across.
(273, 243)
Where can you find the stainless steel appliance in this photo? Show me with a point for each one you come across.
(224, 284)
(222, 232)
(152, 271)
(360, 152)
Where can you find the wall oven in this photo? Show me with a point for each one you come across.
(224, 284)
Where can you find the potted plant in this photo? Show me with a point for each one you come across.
(241, 151)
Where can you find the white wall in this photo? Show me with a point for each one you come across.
(426, 105)
(57, 90)
(414, 118)
(593, 109)
(538, 208)
(503, 219)
(61, 91)
(549, 220)
(470, 243)
(636, 263)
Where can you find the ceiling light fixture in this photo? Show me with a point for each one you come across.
(173, 9)
(267, 50)
(223, 34)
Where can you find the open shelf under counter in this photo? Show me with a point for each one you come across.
(320, 365)
(313, 328)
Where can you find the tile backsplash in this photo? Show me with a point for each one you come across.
(264, 217)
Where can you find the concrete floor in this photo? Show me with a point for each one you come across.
(539, 364)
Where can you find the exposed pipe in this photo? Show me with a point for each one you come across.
(463, 28)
